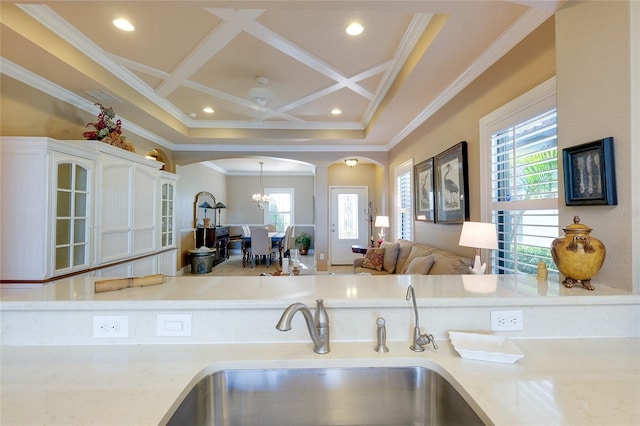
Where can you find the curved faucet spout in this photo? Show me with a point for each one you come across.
(318, 326)
(419, 339)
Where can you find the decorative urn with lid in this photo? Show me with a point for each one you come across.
(578, 255)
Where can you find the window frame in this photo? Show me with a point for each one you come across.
(291, 192)
(536, 101)
(402, 169)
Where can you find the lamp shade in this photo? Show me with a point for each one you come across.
(382, 221)
(220, 205)
(479, 235)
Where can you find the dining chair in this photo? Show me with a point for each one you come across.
(260, 245)
(271, 227)
(286, 241)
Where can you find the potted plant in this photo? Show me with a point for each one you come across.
(304, 240)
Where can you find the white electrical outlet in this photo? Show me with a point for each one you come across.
(506, 321)
(109, 326)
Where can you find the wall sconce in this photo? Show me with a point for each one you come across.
(481, 236)
(351, 162)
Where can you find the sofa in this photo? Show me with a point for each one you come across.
(409, 257)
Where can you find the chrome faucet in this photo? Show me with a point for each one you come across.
(317, 324)
(419, 340)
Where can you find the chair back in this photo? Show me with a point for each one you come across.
(286, 242)
(246, 231)
(260, 241)
(271, 227)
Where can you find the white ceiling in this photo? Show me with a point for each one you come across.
(412, 57)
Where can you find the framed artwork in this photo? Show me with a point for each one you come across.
(589, 174)
(452, 184)
(424, 196)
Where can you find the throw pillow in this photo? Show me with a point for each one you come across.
(404, 250)
(374, 259)
(390, 256)
(449, 265)
(416, 251)
(420, 265)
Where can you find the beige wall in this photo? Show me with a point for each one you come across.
(235, 192)
(195, 178)
(369, 175)
(25, 111)
(527, 65)
(242, 210)
(594, 98)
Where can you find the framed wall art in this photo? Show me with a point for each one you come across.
(589, 174)
(424, 196)
(452, 184)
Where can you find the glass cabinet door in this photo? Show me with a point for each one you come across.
(167, 215)
(72, 216)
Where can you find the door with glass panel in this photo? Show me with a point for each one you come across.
(348, 225)
(72, 218)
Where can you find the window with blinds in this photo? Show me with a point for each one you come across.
(524, 193)
(404, 203)
(280, 210)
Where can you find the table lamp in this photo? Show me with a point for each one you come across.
(479, 235)
(382, 222)
(219, 206)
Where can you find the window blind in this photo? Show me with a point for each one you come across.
(404, 206)
(524, 193)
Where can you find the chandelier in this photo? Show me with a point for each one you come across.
(258, 198)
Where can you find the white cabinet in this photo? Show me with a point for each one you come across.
(167, 228)
(46, 208)
(72, 216)
(127, 199)
(83, 207)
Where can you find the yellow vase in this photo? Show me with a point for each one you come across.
(578, 255)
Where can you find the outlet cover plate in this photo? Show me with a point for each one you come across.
(507, 320)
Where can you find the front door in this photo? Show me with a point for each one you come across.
(348, 224)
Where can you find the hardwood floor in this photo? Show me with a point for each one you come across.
(233, 267)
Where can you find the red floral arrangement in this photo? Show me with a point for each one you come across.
(107, 129)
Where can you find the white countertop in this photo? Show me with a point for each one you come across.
(568, 382)
(342, 289)
(55, 372)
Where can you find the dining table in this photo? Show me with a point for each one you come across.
(276, 239)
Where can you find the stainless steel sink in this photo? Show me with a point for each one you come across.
(324, 396)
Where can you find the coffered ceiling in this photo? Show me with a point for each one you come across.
(183, 56)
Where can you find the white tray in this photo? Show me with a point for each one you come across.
(485, 347)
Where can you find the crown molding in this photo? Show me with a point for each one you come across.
(524, 26)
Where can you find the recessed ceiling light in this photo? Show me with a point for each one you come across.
(336, 111)
(354, 29)
(208, 110)
(123, 24)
